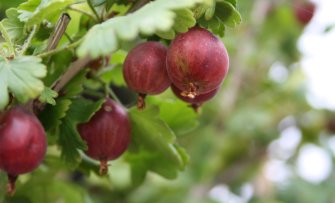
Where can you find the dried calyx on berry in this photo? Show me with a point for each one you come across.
(197, 100)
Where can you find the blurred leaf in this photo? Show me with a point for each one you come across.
(225, 15)
(35, 11)
(13, 25)
(184, 20)
(115, 76)
(48, 96)
(3, 182)
(159, 15)
(44, 186)
(114, 72)
(156, 143)
(21, 77)
(177, 114)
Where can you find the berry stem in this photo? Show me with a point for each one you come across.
(141, 101)
(103, 167)
(196, 107)
(11, 184)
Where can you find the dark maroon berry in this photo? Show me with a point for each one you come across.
(304, 11)
(145, 70)
(198, 100)
(22, 144)
(197, 62)
(107, 134)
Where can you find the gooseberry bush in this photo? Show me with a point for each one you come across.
(68, 85)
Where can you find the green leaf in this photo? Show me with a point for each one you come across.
(51, 116)
(225, 15)
(233, 2)
(47, 186)
(228, 14)
(97, 2)
(156, 144)
(21, 77)
(48, 96)
(80, 111)
(156, 16)
(114, 73)
(115, 76)
(3, 181)
(35, 11)
(184, 20)
(177, 114)
(13, 25)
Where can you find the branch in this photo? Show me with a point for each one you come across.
(60, 28)
(72, 71)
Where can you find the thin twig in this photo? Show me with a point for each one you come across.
(72, 71)
(93, 9)
(83, 12)
(28, 40)
(55, 51)
(112, 94)
(59, 31)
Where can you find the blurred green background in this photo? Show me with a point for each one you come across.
(258, 141)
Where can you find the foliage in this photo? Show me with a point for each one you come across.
(176, 155)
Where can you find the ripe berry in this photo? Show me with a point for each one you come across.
(145, 70)
(198, 100)
(107, 134)
(304, 12)
(197, 62)
(22, 144)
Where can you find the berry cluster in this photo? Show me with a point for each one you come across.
(195, 63)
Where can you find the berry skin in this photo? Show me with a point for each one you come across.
(304, 12)
(107, 133)
(197, 62)
(144, 70)
(198, 100)
(22, 144)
